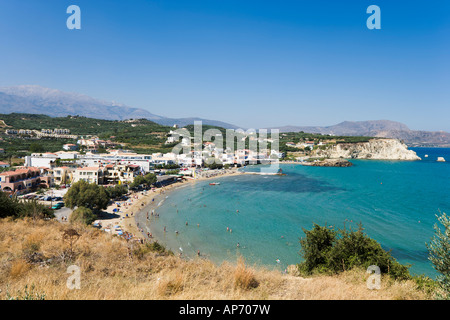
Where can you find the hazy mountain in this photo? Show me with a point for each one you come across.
(39, 100)
(378, 128)
(351, 128)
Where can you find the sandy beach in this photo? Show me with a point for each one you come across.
(127, 217)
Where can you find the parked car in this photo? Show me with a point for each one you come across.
(58, 205)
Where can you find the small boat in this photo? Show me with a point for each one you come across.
(214, 183)
(441, 159)
(426, 156)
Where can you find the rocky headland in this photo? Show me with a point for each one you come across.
(377, 149)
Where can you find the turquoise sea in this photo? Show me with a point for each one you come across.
(396, 201)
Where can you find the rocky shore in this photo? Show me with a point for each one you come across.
(329, 163)
(378, 149)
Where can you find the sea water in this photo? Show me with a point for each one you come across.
(261, 217)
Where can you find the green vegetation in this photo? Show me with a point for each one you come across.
(439, 255)
(148, 180)
(214, 164)
(17, 147)
(153, 246)
(13, 207)
(141, 135)
(326, 250)
(83, 215)
(117, 191)
(88, 195)
(167, 166)
(30, 294)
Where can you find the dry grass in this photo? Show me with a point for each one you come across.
(34, 254)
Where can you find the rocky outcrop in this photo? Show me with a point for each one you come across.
(379, 149)
(329, 163)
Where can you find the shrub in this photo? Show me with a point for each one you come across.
(83, 215)
(439, 255)
(89, 195)
(244, 277)
(11, 206)
(26, 295)
(326, 250)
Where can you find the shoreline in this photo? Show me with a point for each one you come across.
(133, 211)
(141, 215)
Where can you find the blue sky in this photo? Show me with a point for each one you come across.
(251, 63)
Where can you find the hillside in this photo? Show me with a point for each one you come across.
(142, 135)
(34, 256)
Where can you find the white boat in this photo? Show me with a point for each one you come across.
(426, 156)
(441, 159)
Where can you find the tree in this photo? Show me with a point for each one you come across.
(116, 191)
(147, 180)
(8, 206)
(35, 210)
(328, 251)
(315, 247)
(439, 255)
(36, 147)
(89, 195)
(82, 215)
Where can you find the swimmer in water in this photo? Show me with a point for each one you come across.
(238, 245)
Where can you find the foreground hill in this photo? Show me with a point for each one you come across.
(34, 255)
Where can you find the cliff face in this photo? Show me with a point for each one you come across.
(380, 149)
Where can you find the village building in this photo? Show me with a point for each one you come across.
(22, 180)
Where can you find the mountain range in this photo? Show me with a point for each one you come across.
(380, 129)
(39, 100)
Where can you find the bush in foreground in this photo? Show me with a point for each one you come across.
(439, 255)
(326, 250)
(11, 206)
(83, 215)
